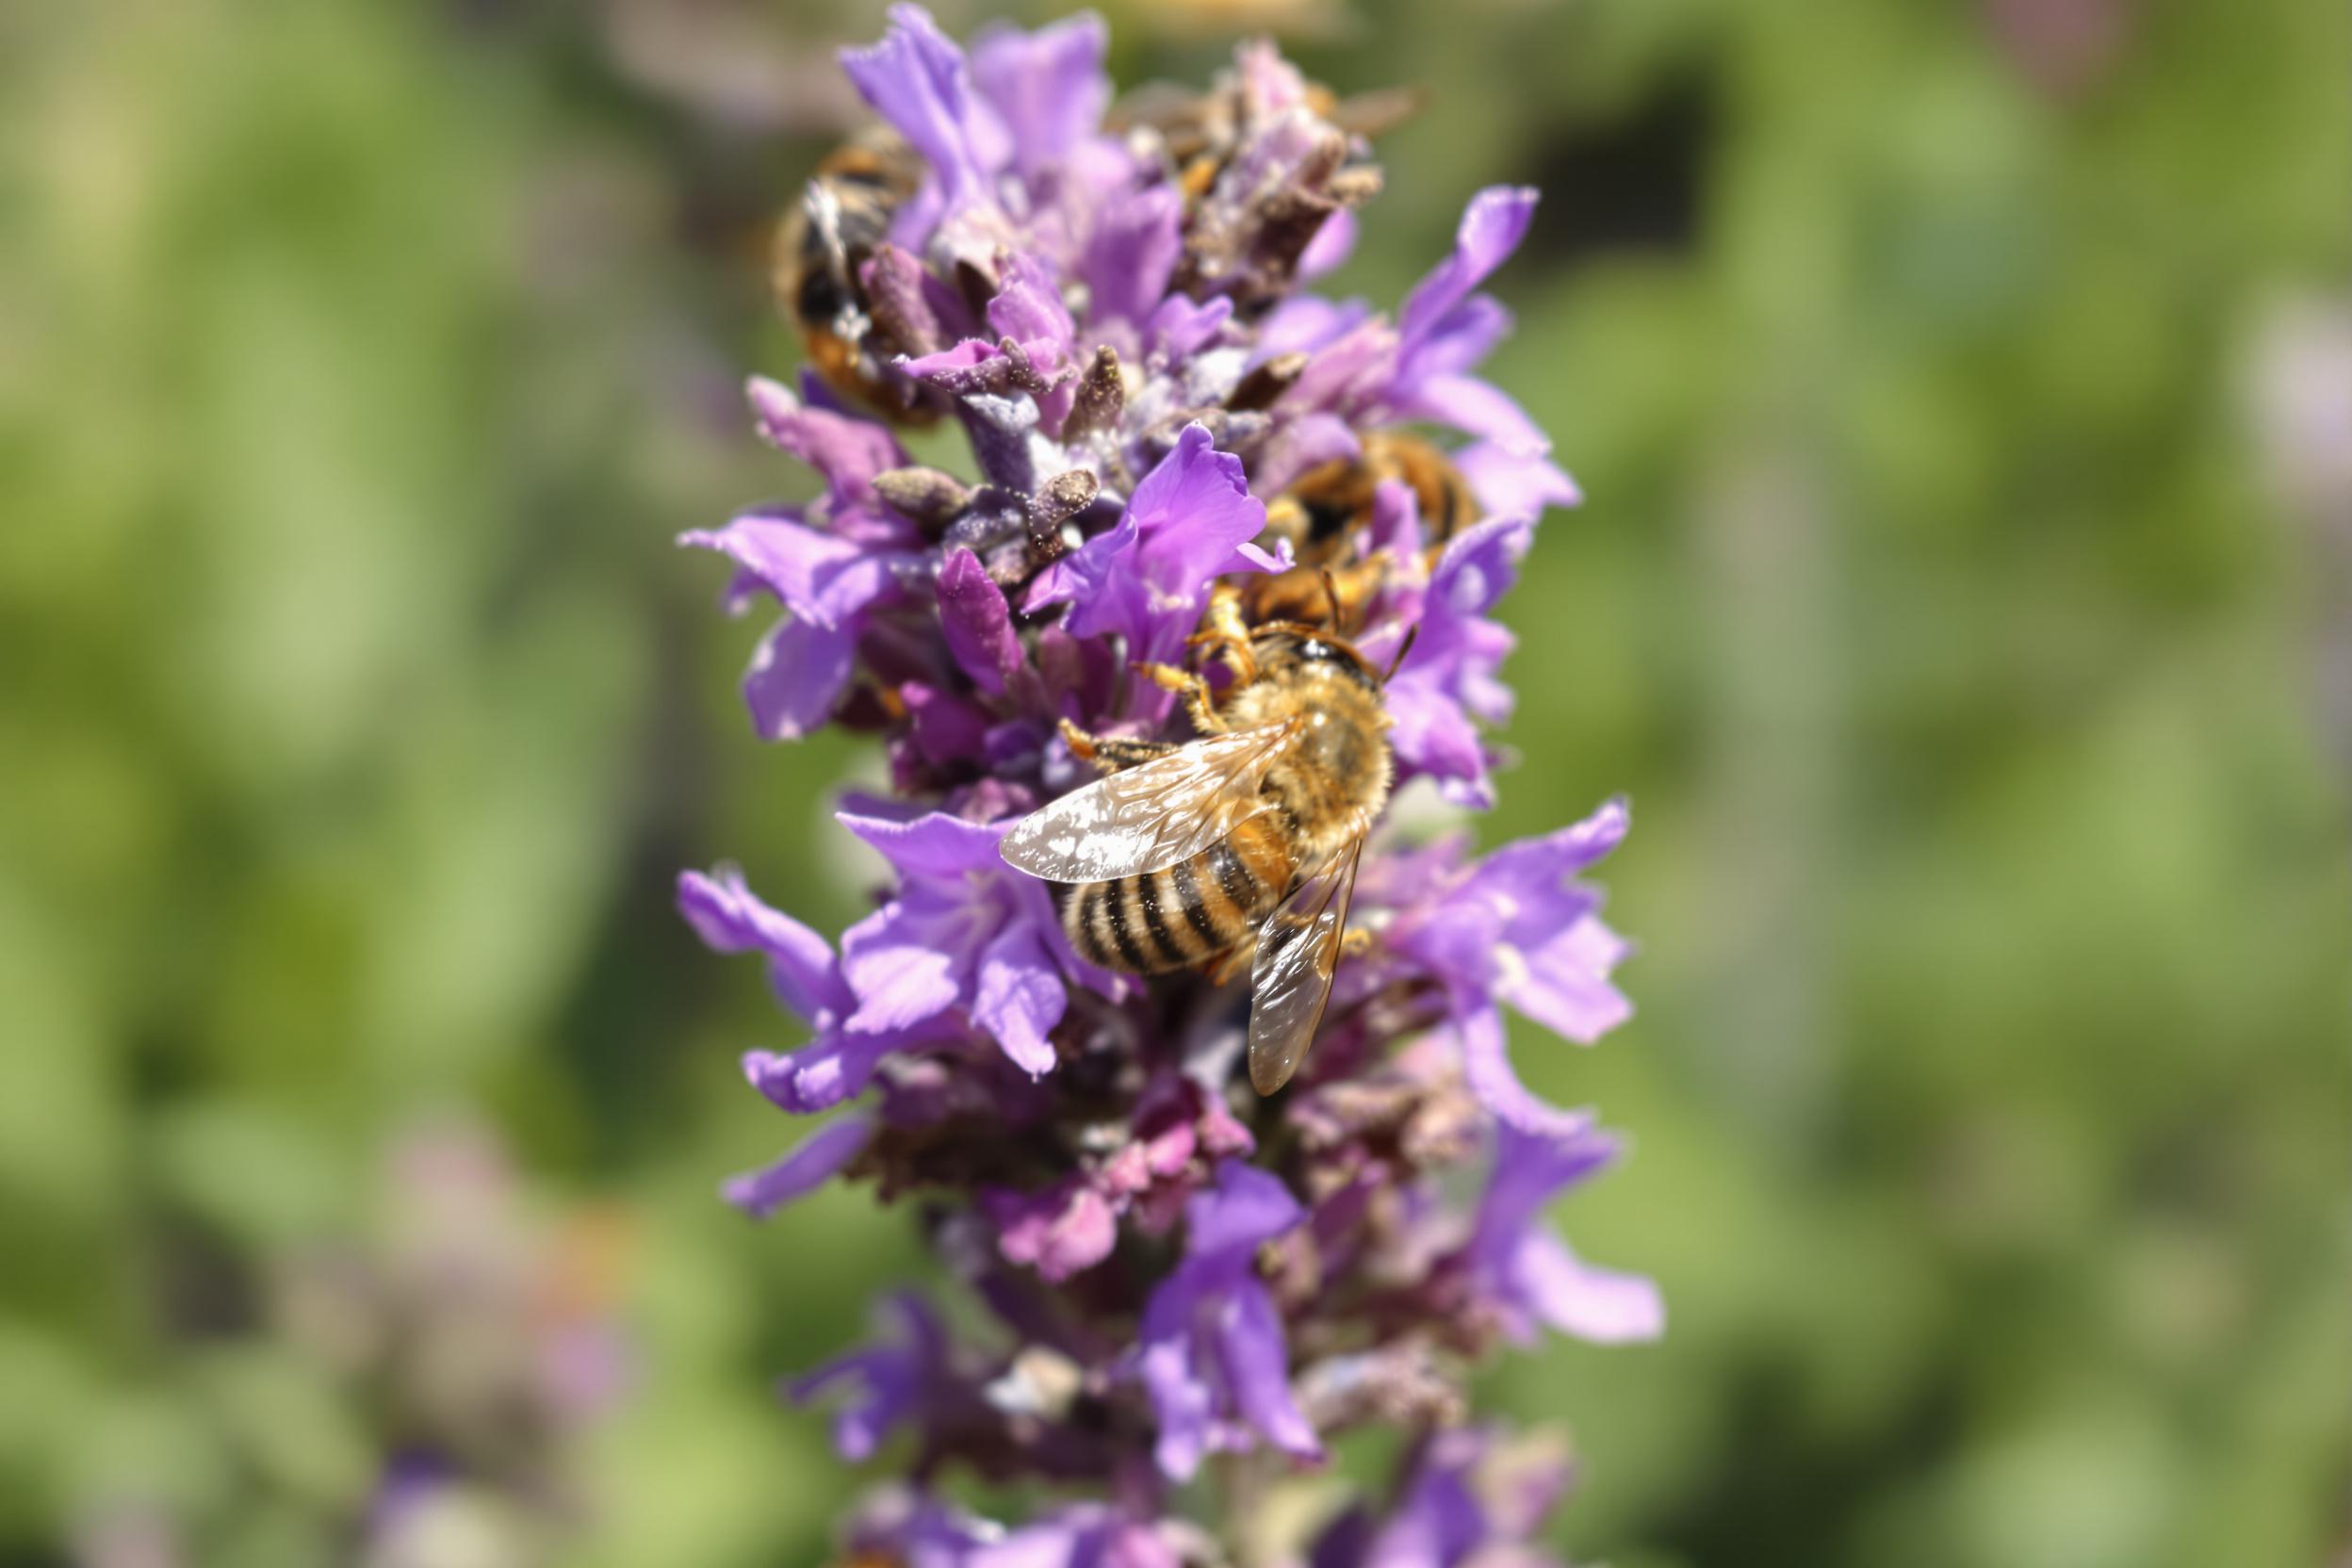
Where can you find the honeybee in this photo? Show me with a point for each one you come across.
(1241, 845)
(824, 241)
(1324, 507)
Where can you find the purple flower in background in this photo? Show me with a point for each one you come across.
(888, 1384)
(1468, 1498)
(1212, 1356)
(1526, 1273)
(1163, 1265)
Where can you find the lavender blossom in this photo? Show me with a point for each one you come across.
(1106, 298)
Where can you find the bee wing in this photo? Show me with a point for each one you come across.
(1291, 980)
(1153, 815)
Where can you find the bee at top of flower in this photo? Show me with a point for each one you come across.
(1222, 571)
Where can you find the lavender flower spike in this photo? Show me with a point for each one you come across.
(1165, 1266)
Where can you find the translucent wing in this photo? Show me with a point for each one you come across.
(1153, 815)
(1291, 980)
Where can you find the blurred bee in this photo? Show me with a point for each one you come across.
(1321, 512)
(824, 241)
(1242, 844)
(1199, 132)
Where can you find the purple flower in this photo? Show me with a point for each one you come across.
(808, 979)
(1470, 1497)
(1112, 322)
(1448, 684)
(1190, 521)
(1417, 369)
(816, 1160)
(1212, 1357)
(965, 931)
(1150, 1168)
(905, 1529)
(888, 1384)
(1516, 927)
(829, 577)
(1525, 1273)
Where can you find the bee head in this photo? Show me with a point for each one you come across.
(1289, 644)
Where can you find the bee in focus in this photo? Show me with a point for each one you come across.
(1239, 846)
(1323, 510)
(824, 242)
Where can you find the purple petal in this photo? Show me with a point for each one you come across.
(946, 728)
(1019, 997)
(1047, 87)
(1104, 581)
(809, 1166)
(1486, 1068)
(1193, 509)
(1529, 872)
(1440, 1520)
(730, 919)
(847, 450)
(979, 623)
(1457, 341)
(888, 1379)
(1180, 327)
(1257, 1366)
(831, 1068)
(1332, 246)
(1492, 228)
(1183, 1405)
(915, 80)
(1028, 309)
(822, 576)
(959, 367)
(936, 845)
(1529, 1174)
(1564, 986)
(1513, 483)
(1429, 733)
(1306, 323)
(1247, 1208)
(1475, 407)
(1132, 254)
(797, 676)
(1574, 1296)
(902, 968)
(1063, 1230)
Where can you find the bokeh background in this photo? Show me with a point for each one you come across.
(1964, 391)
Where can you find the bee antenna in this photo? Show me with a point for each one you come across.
(1402, 648)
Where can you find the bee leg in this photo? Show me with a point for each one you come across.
(1108, 752)
(1227, 634)
(1199, 700)
(1229, 963)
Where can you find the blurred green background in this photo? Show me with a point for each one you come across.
(1964, 392)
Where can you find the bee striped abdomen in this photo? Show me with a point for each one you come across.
(1186, 914)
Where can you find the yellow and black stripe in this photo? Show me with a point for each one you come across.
(1187, 914)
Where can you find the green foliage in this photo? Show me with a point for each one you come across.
(1932, 605)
